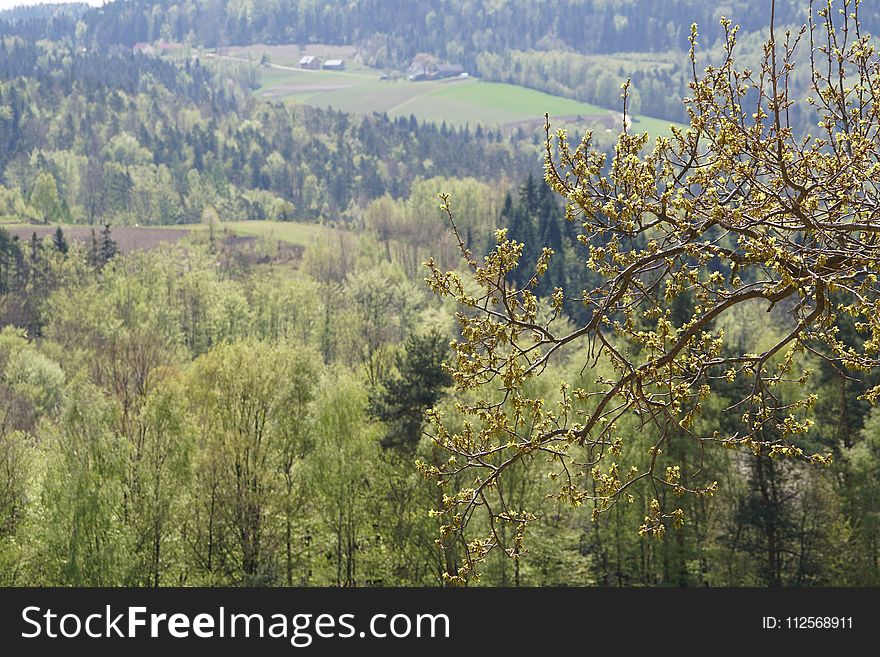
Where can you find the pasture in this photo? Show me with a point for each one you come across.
(289, 232)
(134, 238)
(457, 101)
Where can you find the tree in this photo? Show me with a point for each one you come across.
(30, 388)
(160, 473)
(343, 470)
(864, 466)
(251, 401)
(94, 254)
(108, 246)
(12, 264)
(382, 305)
(416, 386)
(59, 241)
(736, 211)
(83, 493)
(211, 219)
(45, 197)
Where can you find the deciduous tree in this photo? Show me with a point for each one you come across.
(737, 210)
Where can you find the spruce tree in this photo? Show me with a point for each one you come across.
(416, 386)
(59, 241)
(109, 249)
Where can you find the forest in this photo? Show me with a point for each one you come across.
(193, 416)
(574, 48)
(219, 412)
(124, 139)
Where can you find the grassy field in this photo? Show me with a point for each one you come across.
(291, 232)
(475, 101)
(127, 238)
(130, 238)
(455, 101)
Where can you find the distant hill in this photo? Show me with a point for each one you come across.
(44, 12)
(579, 49)
(454, 30)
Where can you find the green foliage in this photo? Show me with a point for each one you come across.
(176, 415)
(251, 401)
(863, 497)
(383, 304)
(82, 501)
(108, 155)
(159, 476)
(45, 198)
(673, 259)
(659, 79)
(238, 412)
(342, 475)
(59, 241)
(415, 387)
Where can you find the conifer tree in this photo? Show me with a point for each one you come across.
(59, 241)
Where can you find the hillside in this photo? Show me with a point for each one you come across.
(456, 101)
(358, 321)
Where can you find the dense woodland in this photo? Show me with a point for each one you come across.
(196, 416)
(125, 139)
(217, 414)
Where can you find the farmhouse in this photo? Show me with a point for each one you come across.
(144, 48)
(310, 62)
(426, 68)
(448, 71)
(168, 46)
(334, 65)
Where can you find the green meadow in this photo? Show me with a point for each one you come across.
(456, 101)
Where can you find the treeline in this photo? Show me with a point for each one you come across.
(44, 21)
(95, 138)
(454, 29)
(406, 231)
(191, 417)
(43, 12)
(26, 275)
